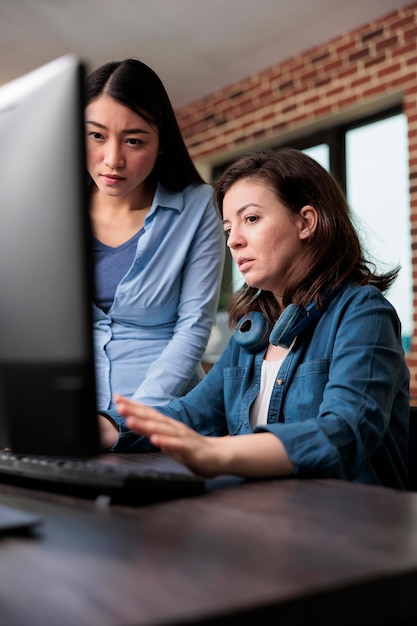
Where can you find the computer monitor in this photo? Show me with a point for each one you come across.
(47, 386)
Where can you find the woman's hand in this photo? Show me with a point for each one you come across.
(254, 455)
(201, 454)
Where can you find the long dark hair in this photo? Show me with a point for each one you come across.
(135, 85)
(333, 255)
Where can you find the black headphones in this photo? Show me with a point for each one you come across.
(253, 331)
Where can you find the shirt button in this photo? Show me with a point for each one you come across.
(280, 381)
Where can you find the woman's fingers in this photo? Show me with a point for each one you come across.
(139, 412)
(171, 436)
(145, 420)
(128, 407)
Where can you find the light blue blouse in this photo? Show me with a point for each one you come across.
(150, 342)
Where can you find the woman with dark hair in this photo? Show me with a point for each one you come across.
(158, 243)
(314, 377)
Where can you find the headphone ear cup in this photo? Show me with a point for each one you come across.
(252, 332)
(291, 323)
(281, 334)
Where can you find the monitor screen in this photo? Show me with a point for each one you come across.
(47, 387)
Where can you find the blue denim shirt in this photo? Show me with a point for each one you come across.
(150, 342)
(340, 404)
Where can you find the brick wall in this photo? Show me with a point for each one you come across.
(356, 74)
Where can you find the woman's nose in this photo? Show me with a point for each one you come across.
(114, 157)
(234, 240)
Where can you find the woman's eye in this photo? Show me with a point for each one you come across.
(251, 218)
(133, 141)
(94, 134)
(227, 233)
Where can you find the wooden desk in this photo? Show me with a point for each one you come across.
(284, 552)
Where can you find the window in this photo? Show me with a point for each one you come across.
(377, 190)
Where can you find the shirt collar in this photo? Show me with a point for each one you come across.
(167, 199)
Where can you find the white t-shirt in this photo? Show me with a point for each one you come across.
(259, 410)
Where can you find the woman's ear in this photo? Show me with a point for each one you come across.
(308, 223)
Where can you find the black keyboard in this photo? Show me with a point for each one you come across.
(151, 476)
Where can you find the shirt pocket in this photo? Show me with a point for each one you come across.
(306, 390)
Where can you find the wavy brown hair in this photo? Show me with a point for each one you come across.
(333, 255)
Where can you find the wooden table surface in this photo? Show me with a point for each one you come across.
(277, 552)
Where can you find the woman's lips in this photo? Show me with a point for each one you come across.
(111, 179)
(244, 264)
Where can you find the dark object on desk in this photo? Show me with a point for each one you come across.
(14, 520)
(151, 477)
(47, 381)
